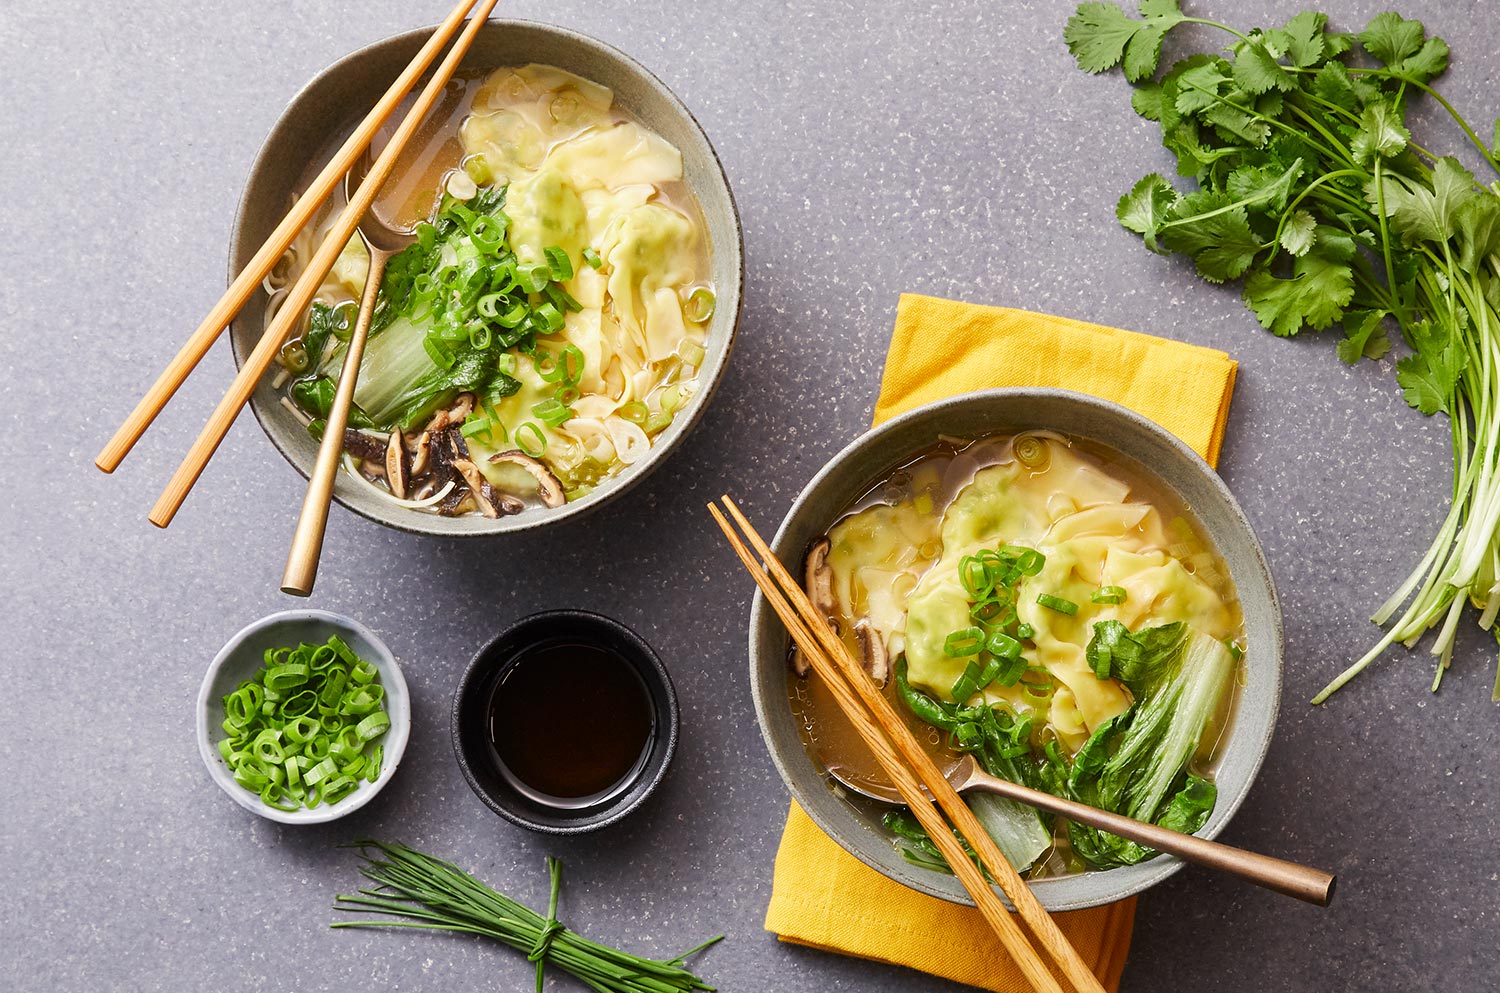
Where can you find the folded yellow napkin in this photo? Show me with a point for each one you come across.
(821, 895)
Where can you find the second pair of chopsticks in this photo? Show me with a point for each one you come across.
(306, 286)
(1036, 954)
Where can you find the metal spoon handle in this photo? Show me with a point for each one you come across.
(307, 542)
(1300, 881)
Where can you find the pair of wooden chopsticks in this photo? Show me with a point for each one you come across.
(910, 768)
(307, 284)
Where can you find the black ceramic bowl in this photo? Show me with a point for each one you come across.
(476, 754)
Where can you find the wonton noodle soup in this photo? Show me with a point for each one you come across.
(1043, 603)
(550, 321)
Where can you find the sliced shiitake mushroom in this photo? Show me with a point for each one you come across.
(548, 485)
(872, 649)
(817, 579)
(462, 407)
(477, 486)
(421, 454)
(396, 466)
(362, 446)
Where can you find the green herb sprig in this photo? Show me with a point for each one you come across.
(1312, 191)
(431, 893)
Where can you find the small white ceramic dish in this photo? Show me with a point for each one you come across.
(239, 659)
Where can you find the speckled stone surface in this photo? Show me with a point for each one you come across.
(940, 148)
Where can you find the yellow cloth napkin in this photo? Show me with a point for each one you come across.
(821, 895)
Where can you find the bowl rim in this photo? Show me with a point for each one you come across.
(615, 808)
(394, 744)
(1146, 874)
(410, 521)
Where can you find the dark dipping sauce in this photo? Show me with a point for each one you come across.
(570, 723)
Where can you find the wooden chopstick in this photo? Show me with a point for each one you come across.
(249, 279)
(873, 717)
(307, 284)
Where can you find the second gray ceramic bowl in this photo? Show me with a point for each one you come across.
(326, 110)
(854, 823)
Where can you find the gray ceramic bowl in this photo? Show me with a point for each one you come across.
(327, 109)
(238, 660)
(855, 823)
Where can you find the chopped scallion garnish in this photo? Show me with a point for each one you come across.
(1057, 603)
(1109, 594)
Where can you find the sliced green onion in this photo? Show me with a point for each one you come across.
(592, 258)
(1025, 632)
(967, 684)
(635, 412)
(963, 643)
(1028, 560)
(530, 440)
(441, 357)
(1002, 645)
(552, 413)
(657, 422)
(692, 353)
(559, 263)
(1109, 594)
(1057, 603)
(700, 305)
(487, 234)
(533, 278)
(1011, 671)
(572, 363)
(550, 316)
(476, 425)
(297, 733)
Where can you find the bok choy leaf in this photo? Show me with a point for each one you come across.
(1138, 764)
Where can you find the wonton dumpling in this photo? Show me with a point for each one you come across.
(623, 155)
(544, 211)
(648, 250)
(875, 557)
(511, 145)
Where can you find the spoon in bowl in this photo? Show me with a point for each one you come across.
(1300, 881)
(382, 240)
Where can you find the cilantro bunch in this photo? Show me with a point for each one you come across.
(1311, 191)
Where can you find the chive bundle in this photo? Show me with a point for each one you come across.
(434, 894)
(305, 729)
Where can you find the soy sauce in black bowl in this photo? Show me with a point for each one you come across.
(565, 722)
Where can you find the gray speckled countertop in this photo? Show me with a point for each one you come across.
(941, 148)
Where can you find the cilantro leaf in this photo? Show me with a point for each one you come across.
(1145, 207)
(1429, 377)
(1321, 286)
(1381, 134)
(1334, 84)
(1299, 233)
(1421, 214)
(1364, 337)
(1391, 38)
(1268, 186)
(1198, 87)
(1256, 69)
(1146, 101)
(1429, 61)
(1479, 228)
(1232, 123)
(1215, 233)
(1101, 36)
(1305, 38)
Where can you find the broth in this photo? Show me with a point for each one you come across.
(917, 495)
